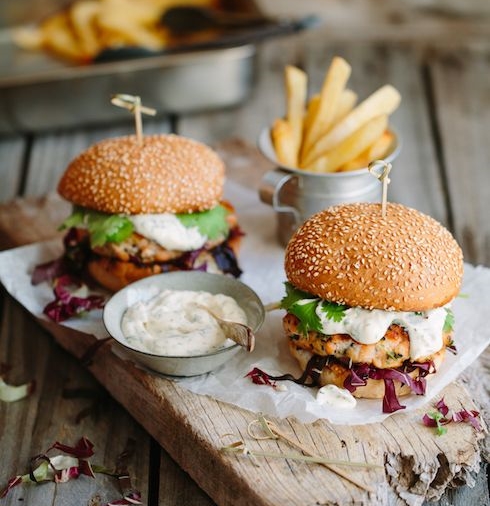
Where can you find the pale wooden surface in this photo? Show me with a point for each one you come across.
(444, 122)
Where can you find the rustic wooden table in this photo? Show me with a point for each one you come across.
(440, 62)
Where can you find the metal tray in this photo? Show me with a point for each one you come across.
(38, 92)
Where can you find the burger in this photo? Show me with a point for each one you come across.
(368, 299)
(147, 207)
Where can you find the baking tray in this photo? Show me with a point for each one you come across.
(39, 92)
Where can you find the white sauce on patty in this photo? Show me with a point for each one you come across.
(168, 231)
(369, 326)
(173, 324)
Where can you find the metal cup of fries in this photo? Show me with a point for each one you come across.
(296, 194)
(323, 146)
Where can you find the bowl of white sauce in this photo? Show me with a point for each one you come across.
(165, 322)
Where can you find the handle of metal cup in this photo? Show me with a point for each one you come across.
(270, 189)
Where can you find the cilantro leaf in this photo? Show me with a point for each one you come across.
(102, 227)
(108, 228)
(76, 218)
(293, 295)
(449, 321)
(439, 421)
(302, 305)
(211, 223)
(306, 314)
(333, 311)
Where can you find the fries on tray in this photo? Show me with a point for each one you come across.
(81, 31)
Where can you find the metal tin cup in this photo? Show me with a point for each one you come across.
(296, 194)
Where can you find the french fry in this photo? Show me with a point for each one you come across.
(376, 151)
(333, 85)
(383, 101)
(85, 27)
(311, 112)
(59, 38)
(296, 84)
(83, 15)
(283, 141)
(28, 37)
(347, 100)
(132, 23)
(350, 147)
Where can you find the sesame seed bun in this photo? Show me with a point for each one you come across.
(336, 374)
(351, 255)
(164, 174)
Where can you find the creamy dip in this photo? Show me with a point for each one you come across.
(369, 326)
(172, 323)
(336, 397)
(168, 231)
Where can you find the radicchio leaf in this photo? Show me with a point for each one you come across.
(313, 370)
(260, 377)
(390, 399)
(360, 373)
(442, 406)
(67, 302)
(468, 416)
(133, 498)
(60, 468)
(82, 450)
(438, 418)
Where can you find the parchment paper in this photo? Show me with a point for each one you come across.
(261, 259)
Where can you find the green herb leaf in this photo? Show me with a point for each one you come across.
(333, 311)
(76, 218)
(437, 417)
(449, 321)
(102, 227)
(302, 305)
(391, 355)
(108, 228)
(306, 314)
(293, 295)
(211, 223)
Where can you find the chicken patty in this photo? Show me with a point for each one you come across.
(392, 350)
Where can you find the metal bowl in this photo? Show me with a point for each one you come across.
(147, 288)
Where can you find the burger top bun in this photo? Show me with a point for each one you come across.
(164, 174)
(351, 255)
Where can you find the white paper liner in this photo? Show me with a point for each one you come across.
(261, 259)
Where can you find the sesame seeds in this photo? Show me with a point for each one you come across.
(349, 254)
(168, 173)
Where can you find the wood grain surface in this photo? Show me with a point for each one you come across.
(193, 428)
(437, 53)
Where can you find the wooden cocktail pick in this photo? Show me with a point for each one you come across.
(381, 170)
(133, 103)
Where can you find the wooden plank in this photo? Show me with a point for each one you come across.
(32, 425)
(462, 94)
(192, 429)
(391, 20)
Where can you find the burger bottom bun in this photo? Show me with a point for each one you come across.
(335, 374)
(116, 274)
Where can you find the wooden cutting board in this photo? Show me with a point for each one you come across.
(415, 463)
